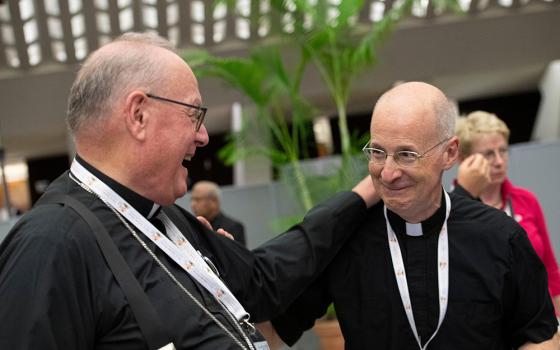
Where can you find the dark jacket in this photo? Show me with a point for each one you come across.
(57, 292)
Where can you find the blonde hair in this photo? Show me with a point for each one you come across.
(476, 123)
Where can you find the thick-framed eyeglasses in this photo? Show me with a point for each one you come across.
(403, 158)
(198, 116)
(491, 155)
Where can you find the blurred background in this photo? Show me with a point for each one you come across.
(496, 55)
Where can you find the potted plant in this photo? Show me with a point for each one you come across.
(328, 331)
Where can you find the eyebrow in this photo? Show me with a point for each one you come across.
(493, 149)
(197, 101)
(399, 148)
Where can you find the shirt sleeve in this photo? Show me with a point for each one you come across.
(460, 190)
(39, 275)
(302, 313)
(270, 278)
(240, 237)
(528, 307)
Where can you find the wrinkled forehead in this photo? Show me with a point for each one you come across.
(412, 124)
(488, 140)
(408, 104)
(179, 77)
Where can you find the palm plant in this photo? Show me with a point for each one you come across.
(326, 34)
(338, 45)
(265, 80)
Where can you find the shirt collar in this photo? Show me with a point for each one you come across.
(143, 205)
(430, 226)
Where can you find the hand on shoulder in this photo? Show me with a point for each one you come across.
(366, 190)
(220, 231)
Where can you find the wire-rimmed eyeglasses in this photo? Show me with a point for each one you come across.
(198, 116)
(403, 158)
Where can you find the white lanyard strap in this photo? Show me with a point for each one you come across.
(508, 208)
(443, 272)
(180, 249)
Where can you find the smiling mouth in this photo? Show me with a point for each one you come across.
(186, 161)
(393, 190)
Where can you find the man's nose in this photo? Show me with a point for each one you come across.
(201, 137)
(390, 171)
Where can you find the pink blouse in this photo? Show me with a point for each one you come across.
(527, 211)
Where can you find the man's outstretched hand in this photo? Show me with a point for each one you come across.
(220, 231)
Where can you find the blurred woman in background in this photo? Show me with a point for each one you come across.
(484, 157)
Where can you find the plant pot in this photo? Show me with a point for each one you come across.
(330, 336)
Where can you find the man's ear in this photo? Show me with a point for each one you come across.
(451, 153)
(136, 114)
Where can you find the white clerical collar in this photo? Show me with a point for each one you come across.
(427, 227)
(155, 209)
(145, 206)
(414, 230)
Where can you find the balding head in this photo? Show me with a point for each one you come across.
(428, 106)
(205, 199)
(134, 60)
(208, 188)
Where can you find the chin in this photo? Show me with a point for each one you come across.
(498, 180)
(397, 205)
(180, 193)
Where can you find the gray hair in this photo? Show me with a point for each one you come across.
(106, 76)
(211, 188)
(446, 115)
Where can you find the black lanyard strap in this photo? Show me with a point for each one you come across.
(141, 307)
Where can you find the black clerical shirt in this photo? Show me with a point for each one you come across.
(56, 291)
(498, 297)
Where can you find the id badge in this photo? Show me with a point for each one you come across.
(259, 342)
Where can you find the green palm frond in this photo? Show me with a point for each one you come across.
(338, 46)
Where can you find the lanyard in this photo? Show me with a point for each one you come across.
(178, 248)
(443, 272)
(508, 209)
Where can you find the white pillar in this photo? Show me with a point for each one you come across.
(547, 124)
(323, 135)
(255, 169)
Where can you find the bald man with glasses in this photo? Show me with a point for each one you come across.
(428, 269)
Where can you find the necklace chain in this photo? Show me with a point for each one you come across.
(174, 279)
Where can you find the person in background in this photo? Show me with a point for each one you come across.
(484, 156)
(427, 269)
(206, 202)
(136, 116)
